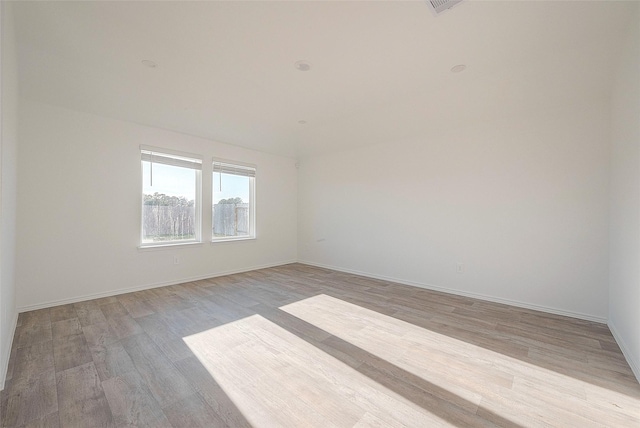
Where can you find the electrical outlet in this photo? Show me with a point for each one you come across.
(459, 267)
(176, 260)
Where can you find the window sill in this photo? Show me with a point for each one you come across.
(171, 246)
(248, 238)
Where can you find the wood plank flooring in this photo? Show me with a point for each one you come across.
(300, 346)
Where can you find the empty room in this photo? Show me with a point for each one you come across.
(320, 213)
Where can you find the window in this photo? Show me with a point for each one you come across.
(170, 197)
(233, 201)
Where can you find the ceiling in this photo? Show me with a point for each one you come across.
(380, 71)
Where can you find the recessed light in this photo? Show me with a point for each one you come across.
(302, 65)
(302, 122)
(149, 63)
(458, 68)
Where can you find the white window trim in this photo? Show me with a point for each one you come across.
(171, 152)
(199, 204)
(252, 203)
(170, 246)
(232, 239)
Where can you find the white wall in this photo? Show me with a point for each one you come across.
(624, 292)
(521, 202)
(8, 155)
(79, 209)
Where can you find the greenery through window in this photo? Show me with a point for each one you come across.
(233, 201)
(170, 205)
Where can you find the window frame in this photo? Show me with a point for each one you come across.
(195, 158)
(252, 201)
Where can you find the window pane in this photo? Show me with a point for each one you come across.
(169, 203)
(232, 209)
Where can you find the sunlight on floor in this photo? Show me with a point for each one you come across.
(277, 379)
(501, 384)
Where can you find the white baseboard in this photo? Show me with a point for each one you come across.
(336, 268)
(633, 362)
(52, 303)
(3, 370)
(464, 293)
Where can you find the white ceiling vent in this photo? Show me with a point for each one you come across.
(439, 6)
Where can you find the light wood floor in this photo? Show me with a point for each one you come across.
(306, 347)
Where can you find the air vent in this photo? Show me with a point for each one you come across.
(439, 6)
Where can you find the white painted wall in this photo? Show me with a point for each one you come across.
(624, 282)
(522, 202)
(79, 209)
(8, 156)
